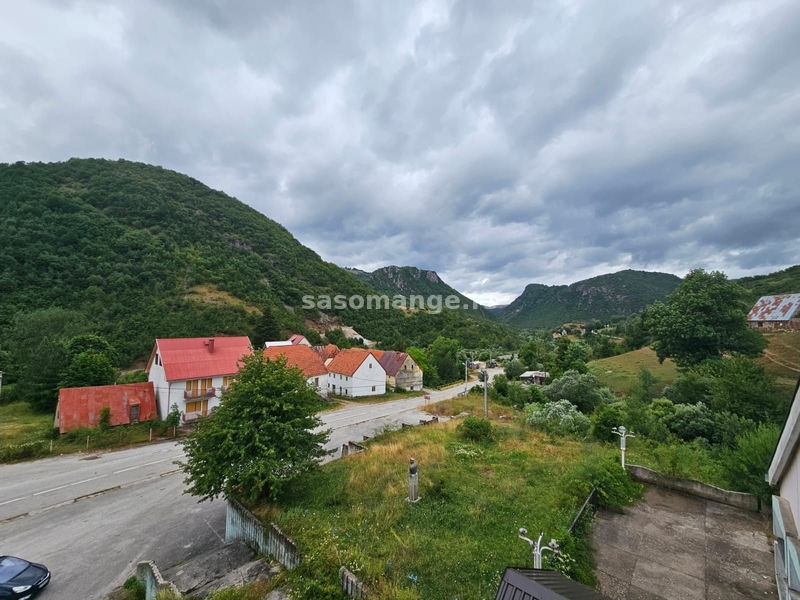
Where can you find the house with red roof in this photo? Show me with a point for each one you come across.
(402, 371)
(326, 353)
(308, 361)
(194, 372)
(129, 403)
(356, 372)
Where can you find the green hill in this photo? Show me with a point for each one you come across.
(780, 282)
(408, 281)
(142, 252)
(616, 294)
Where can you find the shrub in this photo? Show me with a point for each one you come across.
(615, 488)
(691, 421)
(747, 464)
(104, 422)
(606, 417)
(174, 417)
(558, 418)
(582, 390)
(476, 429)
(689, 388)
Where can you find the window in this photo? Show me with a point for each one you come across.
(158, 360)
(373, 388)
(370, 365)
(227, 380)
(199, 406)
(316, 381)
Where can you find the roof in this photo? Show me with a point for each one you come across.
(326, 352)
(197, 358)
(540, 584)
(528, 374)
(790, 435)
(775, 308)
(298, 339)
(301, 356)
(392, 361)
(347, 361)
(80, 407)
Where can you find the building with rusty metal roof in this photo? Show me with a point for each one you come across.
(776, 312)
(129, 403)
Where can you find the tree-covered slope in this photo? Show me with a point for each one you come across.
(409, 281)
(615, 294)
(780, 282)
(144, 252)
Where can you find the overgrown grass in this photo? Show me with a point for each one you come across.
(620, 373)
(456, 542)
(782, 359)
(26, 434)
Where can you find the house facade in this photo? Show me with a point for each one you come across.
(781, 313)
(402, 371)
(784, 473)
(194, 372)
(356, 372)
(308, 361)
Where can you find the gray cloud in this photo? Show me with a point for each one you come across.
(497, 143)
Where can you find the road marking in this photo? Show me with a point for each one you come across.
(55, 489)
(155, 462)
(14, 500)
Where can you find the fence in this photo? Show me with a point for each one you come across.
(242, 525)
(147, 572)
(350, 584)
(589, 504)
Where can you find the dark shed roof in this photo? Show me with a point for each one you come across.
(539, 584)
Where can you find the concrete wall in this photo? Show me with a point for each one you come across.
(695, 488)
(242, 525)
(147, 572)
(351, 586)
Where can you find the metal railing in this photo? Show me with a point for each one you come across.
(589, 504)
(206, 393)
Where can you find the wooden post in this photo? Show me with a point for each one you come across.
(87, 443)
(151, 434)
(51, 446)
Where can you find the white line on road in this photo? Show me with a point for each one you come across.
(14, 500)
(70, 484)
(155, 462)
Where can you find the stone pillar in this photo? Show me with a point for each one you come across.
(413, 482)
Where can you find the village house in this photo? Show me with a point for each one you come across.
(536, 377)
(401, 370)
(326, 353)
(129, 403)
(194, 372)
(776, 312)
(307, 361)
(356, 372)
(294, 340)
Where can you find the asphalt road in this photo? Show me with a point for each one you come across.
(91, 518)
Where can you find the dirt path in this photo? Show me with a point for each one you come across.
(771, 357)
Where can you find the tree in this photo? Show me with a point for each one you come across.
(267, 329)
(582, 390)
(259, 438)
(702, 319)
(429, 375)
(514, 368)
(94, 343)
(87, 369)
(533, 353)
(605, 418)
(748, 463)
(173, 417)
(443, 355)
(104, 422)
(742, 387)
(558, 418)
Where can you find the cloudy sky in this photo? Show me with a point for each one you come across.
(498, 143)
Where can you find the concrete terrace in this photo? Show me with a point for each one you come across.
(671, 546)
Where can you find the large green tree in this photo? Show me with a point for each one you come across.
(702, 319)
(89, 368)
(444, 356)
(268, 329)
(582, 390)
(259, 438)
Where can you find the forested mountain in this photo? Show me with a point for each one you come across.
(411, 280)
(139, 252)
(780, 282)
(615, 294)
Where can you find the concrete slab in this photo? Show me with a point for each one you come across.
(671, 546)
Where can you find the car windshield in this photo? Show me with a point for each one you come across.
(10, 567)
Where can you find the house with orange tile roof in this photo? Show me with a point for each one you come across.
(356, 372)
(194, 372)
(402, 371)
(326, 353)
(308, 361)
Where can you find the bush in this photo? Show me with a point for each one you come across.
(476, 429)
(689, 388)
(615, 488)
(606, 417)
(691, 421)
(557, 418)
(747, 464)
(104, 422)
(582, 390)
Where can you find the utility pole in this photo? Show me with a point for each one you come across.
(485, 393)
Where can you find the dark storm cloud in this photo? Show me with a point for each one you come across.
(498, 143)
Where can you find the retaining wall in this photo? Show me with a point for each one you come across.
(696, 488)
(351, 586)
(147, 572)
(242, 525)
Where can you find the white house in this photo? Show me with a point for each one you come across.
(306, 360)
(295, 340)
(194, 372)
(356, 372)
(784, 473)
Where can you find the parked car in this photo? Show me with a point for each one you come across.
(20, 579)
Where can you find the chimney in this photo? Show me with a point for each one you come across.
(211, 345)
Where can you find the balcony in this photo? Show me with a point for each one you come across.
(194, 394)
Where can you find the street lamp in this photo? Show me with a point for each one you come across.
(623, 434)
(536, 547)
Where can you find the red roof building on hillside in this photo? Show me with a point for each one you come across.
(326, 353)
(776, 312)
(129, 403)
(299, 356)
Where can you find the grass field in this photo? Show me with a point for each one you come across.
(456, 542)
(620, 372)
(782, 359)
(20, 425)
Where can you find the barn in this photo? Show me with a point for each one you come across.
(776, 313)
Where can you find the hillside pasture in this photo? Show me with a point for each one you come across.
(620, 373)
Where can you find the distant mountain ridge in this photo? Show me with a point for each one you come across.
(409, 281)
(779, 282)
(615, 294)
